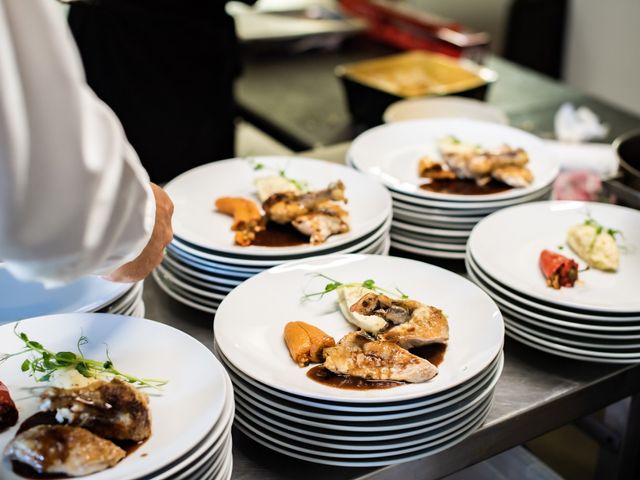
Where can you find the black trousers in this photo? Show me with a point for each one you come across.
(166, 68)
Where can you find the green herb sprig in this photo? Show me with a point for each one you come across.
(43, 363)
(335, 285)
(599, 228)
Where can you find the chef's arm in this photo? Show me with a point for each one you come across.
(74, 198)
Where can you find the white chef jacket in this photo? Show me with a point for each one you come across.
(74, 198)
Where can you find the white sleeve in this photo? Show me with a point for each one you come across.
(74, 198)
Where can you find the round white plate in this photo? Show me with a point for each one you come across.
(444, 232)
(578, 354)
(353, 247)
(194, 193)
(31, 299)
(213, 444)
(391, 152)
(352, 422)
(310, 438)
(317, 457)
(427, 252)
(430, 238)
(540, 307)
(125, 301)
(452, 247)
(303, 402)
(444, 107)
(470, 204)
(203, 274)
(182, 297)
(423, 218)
(507, 244)
(192, 392)
(573, 340)
(253, 343)
(547, 318)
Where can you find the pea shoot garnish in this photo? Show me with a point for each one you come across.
(334, 285)
(599, 228)
(43, 363)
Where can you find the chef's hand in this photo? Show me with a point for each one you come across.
(151, 256)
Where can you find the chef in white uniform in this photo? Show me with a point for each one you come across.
(74, 199)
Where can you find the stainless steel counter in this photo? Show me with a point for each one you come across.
(536, 393)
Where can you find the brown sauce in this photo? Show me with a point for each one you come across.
(348, 382)
(276, 235)
(49, 418)
(464, 186)
(433, 353)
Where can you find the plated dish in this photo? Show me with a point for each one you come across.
(507, 246)
(80, 415)
(261, 352)
(507, 162)
(303, 198)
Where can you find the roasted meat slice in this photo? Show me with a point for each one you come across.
(513, 175)
(392, 310)
(112, 409)
(306, 343)
(285, 207)
(322, 223)
(61, 449)
(427, 325)
(356, 354)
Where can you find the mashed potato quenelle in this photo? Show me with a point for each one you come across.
(595, 245)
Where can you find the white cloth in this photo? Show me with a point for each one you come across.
(74, 198)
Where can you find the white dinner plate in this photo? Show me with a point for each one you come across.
(202, 274)
(540, 307)
(213, 444)
(194, 193)
(311, 439)
(183, 297)
(444, 232)
(471, 204)
(573, 340)
(125, 301)
(318, 457)
(577, 353)
(430, 238)
(507, 245)
(31, 299)
(428, 252)
(509, 305)
(253, 343)
(425, 219)
(444, 107)
(192, 392)
(391, 153)
(303, 402)
(453, 247)
(356, 246)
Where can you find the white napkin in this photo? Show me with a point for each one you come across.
(578, 125)
(599, 158)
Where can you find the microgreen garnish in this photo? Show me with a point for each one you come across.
(300, 185)
(369, 284)
(599, 228)
(560, 247)
(43, 363)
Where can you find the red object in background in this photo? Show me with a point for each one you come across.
(406, 27)
(8, 410)
(558, 270)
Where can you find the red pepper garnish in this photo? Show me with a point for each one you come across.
(558, 270)
(8, 410)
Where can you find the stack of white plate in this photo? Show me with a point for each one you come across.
(191, 415)
(599, 318)
(203, 264)
(21, 300)
(438, 224)
(281, 408)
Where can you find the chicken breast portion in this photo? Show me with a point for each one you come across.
(427, 325)
(112, 409)
(64, 450)
(359, 356)
(285, 207)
